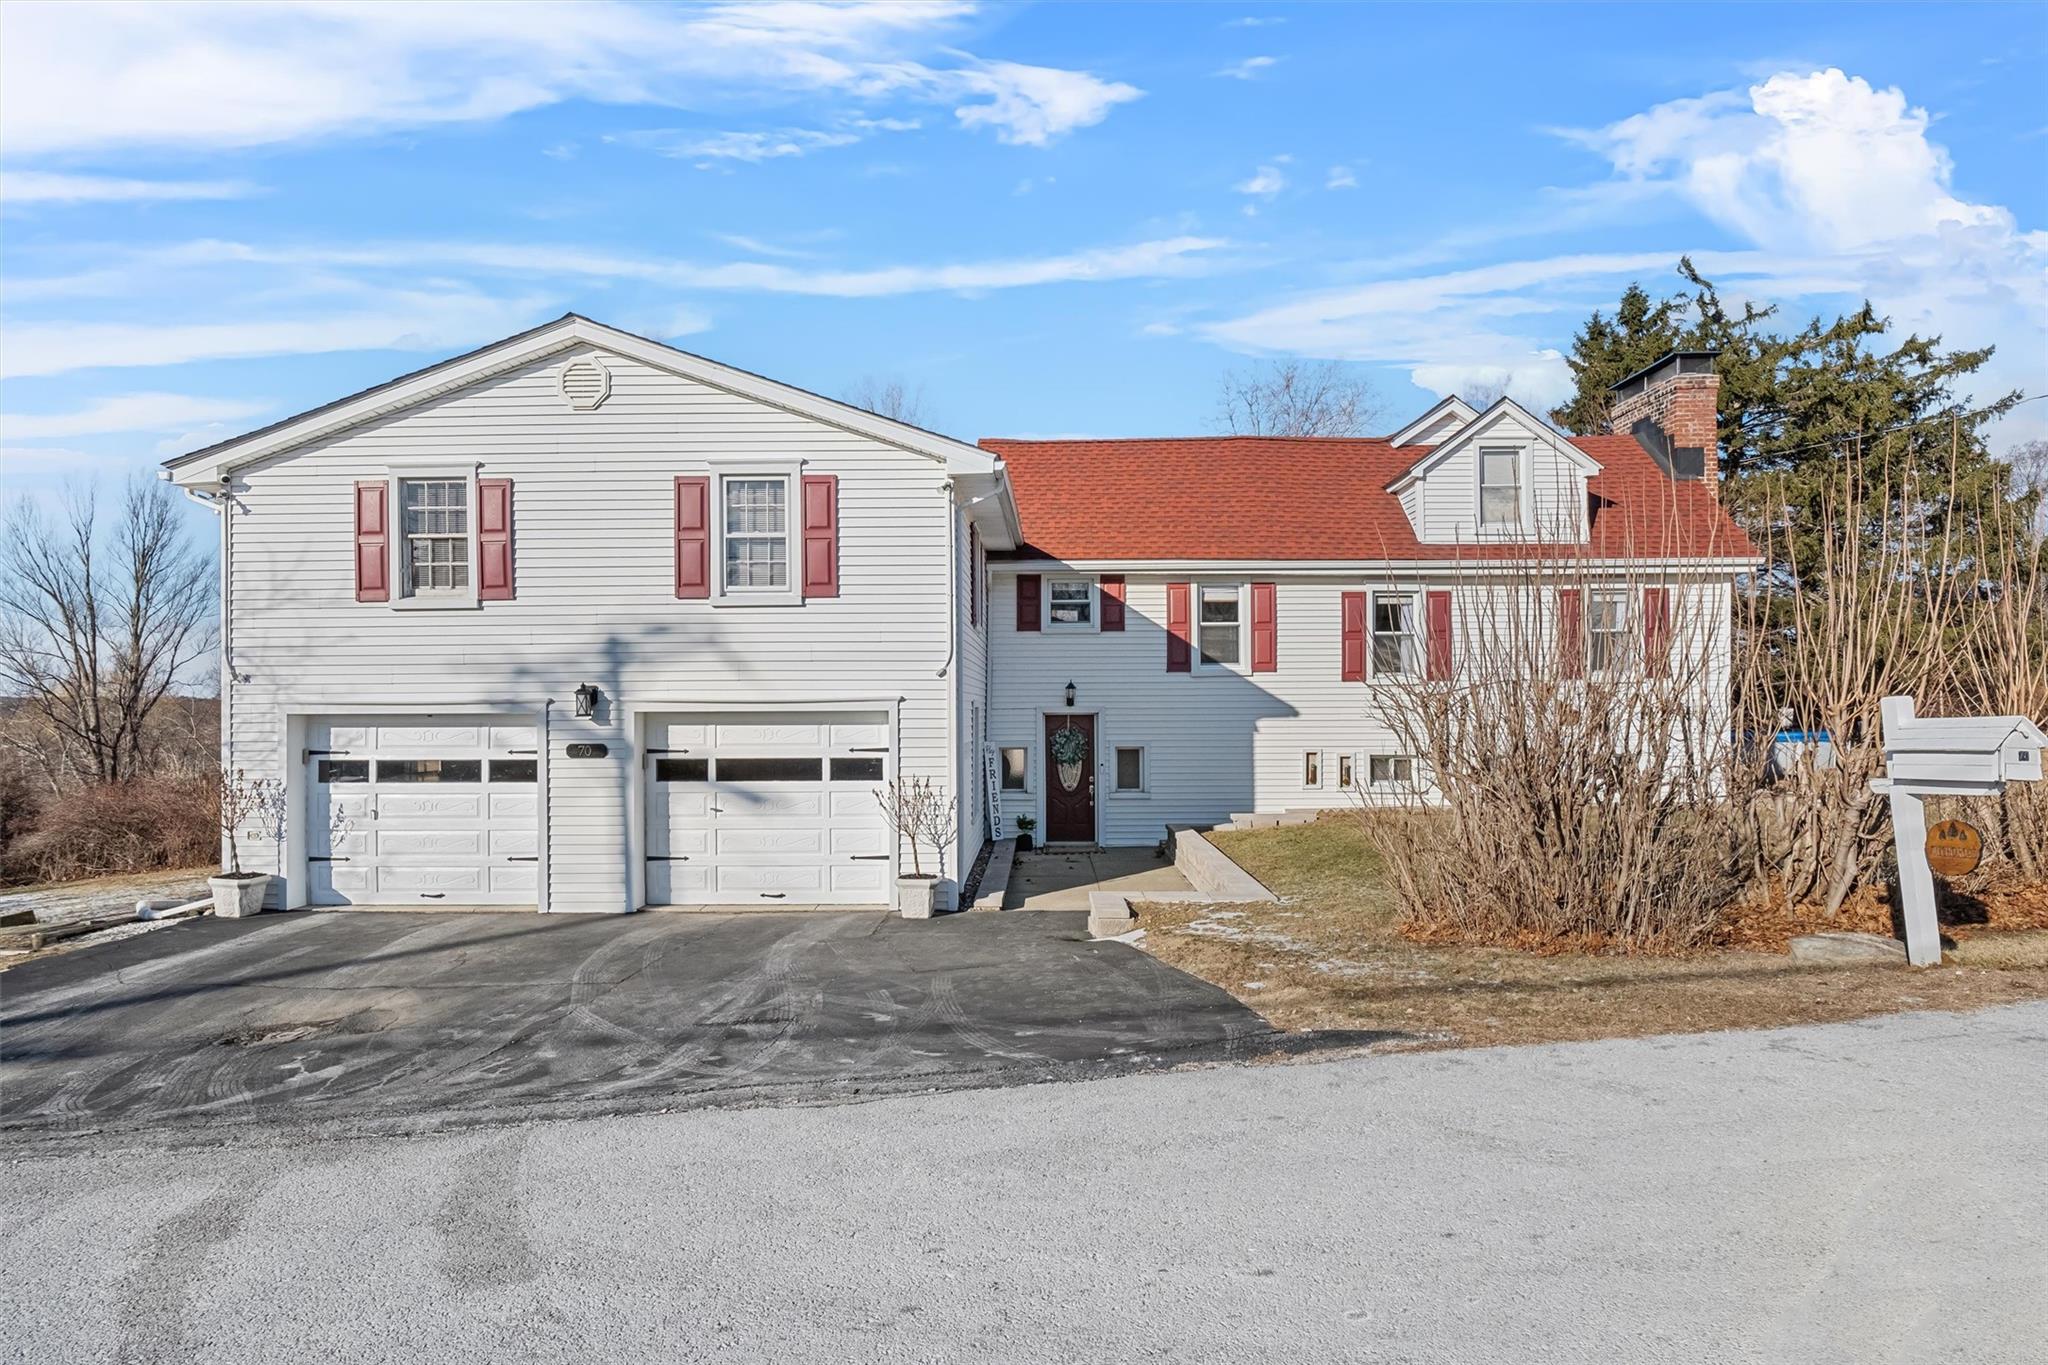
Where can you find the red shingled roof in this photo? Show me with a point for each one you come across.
(1319, 498)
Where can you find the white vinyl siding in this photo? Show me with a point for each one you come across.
(1220, 743)
(595, 557)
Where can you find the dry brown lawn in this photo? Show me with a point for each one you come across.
(1329, 957)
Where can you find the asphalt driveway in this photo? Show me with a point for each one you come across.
(421, 1020)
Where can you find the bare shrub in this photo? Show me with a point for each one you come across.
(920, 811)
(135, 825)
(1580, 757)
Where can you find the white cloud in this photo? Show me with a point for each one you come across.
(127, 412)
(754, 246)
(1248, 68)
(1835, 186)
(1254, 21)
(91, 78)
(1340, 178)
(400, 322)
(1031, 105)
(44, 187)
(1264, 183)
(750, 146)
(18, 463)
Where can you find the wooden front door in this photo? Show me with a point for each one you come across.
(1070, 811)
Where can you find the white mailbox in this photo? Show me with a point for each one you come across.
(1943, 756)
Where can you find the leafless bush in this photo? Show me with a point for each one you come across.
(1580, 754)
(920, 811)
(136, 825)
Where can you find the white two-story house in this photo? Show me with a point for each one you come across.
(581, 622)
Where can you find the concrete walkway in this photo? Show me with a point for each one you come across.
(1060, 880)
(1858, 1194)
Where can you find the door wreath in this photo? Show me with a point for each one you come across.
(1069, 755)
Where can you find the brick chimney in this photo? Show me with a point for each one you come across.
(1669, 408)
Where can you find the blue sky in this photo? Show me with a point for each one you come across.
(1049, 219)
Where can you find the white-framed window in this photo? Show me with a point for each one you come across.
(1219, 625)
(434, 524)
(1608, 638)
(1390, 770)
(1347, 772)
(755, 515)
(1396, 634)
(1500, 486)
(1070, 604)
(1312, 768)
(1016, 764)
(1130, 768)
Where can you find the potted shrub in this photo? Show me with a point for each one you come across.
(245, 802)
(1025, 824)
(921, 813)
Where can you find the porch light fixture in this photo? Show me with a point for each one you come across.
(586, 701)
(1070, 696)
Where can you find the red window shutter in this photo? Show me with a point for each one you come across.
(1027, 601)
(973, 575)
(1439, 636)
(494, 540)
(1353, 662)
(1112, 601)
(1178, 655)
(1657, 631)
(1265, 629)
(1571, 632)
(821, 535)
(373, 543)
(693, 536)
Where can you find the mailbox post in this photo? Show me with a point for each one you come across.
(1943, 756)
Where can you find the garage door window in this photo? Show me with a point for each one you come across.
(430, 770)
(515, 770)
(856, 770)
(682, 770)
(770, 769)
(344, 770)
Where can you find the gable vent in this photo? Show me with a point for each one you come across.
(585, 384)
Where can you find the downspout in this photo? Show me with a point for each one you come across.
(952, 650)
(223, 507)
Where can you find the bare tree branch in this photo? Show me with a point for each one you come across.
(888, 397)
(1297, 398)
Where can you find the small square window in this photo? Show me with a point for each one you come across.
(1130, 770)
(1312, 769)
(1016, 767)
(1391, 770)
(1347, 774)
(1071, 602)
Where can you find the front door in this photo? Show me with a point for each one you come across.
(1070, 785)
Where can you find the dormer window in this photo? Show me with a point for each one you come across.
(1500, 487)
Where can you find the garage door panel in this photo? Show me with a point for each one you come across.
(858, 883)
(519, 877)
(788, 878)
(794, 842)
(854, 805)
(761, 804)
(438, 877)
(504, 737)
(429, 843)
(350, 737)
(860, 735)
(512, 805)
(858, 841)
(742, 734)
(435, 736)
(513, 843)
(404, 805)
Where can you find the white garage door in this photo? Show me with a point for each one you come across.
(767, 807)
(422, 810)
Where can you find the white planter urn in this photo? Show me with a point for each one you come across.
(238, 897)
(915, 896)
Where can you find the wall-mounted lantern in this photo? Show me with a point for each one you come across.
(1070, 696)
(586, 701)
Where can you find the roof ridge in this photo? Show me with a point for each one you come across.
(1156, 440)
